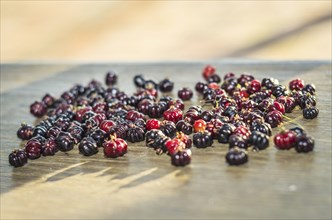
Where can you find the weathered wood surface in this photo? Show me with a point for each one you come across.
(273, 185)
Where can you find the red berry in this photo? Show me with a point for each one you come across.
(152, 124)
(107, 125)
(277, 106)
(173, 114)
(254, 86)
(285, 140)
(199, 125)
(274, 118)
(296, 84)
(115, 147)
(174, 145)
(243, 132)
(185, 139)
(213, 85)
(208, 71)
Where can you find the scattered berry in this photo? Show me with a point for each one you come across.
(18, 158)
(236, 156)
(285, 140)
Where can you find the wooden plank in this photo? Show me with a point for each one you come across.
(273, 185)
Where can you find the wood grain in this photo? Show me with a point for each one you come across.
(273, 185)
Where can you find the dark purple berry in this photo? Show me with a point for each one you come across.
(25, 131)
(64, 141)
(200, 87)
(261, 126)
(309, 88)
(48, 100)
(168, 128)
(98, 136)
(39, 131)
(181, 158)
(49, 148)
(155, 111)
(214, 79)
(304, 144)
(310, 112)
(88, 146)
(236, 156)
(33, 149)
(166, 85)
(259, 140)
(236, 140)
(76, 132)
(184, 126)
(269, 83)
(185, 94)
(202, 139)
(111, 78)
(225, 132)
(135, 134)
(17, 158)
(298, 131)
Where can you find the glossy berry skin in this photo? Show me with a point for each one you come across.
(215, 78)
(98, 136)
(17, 158)
(274, 118)
(185, 139)
(229, 75)
(139, 81)
(168, 128)
(155, 111)
(309, 88)
(236, 140)
(181, 158)
(310, 112)
(135, 134)
(177, 104)
(48, 100)
(288, 102)
(307, 100)
(152, 124)
(174, 145)
(53, 132)
(115, 147)
(107, 125)
(199, 125)
(213, 127)
(76, 132)
(202, 139)
(88, 146)
(259, 140)
(208, 71)
(304, 144)
(200, 87)
(261, 126)
(25, 131)
(285, 140)
(33, 149)
(166, 85)
(254, 86)
(64, 142)
(269, 83)
(111, 78)
(279, 90)
(242, 131)
(236, 156)
(150, 137)
(38, 109)
(225, 132)
(296, 84)
(133, 115)
(185, 94)
(298, 131)
(49, 148)
(173, 114)
(184, 127)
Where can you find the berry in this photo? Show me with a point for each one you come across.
(310, 112)
(309, 88)
(48, 100)
(254, 86)
(274, 118)
(139, 81)
(259, 140)
(111, 78)
(115, 147)
(155, 111)
(184, 127)
(38, 109)
(174, 145)
(229, 75)
(213, 127)
(177, 104)
(53, 132)
(39, 130)
(76, 132)
(135, 134)
(64, 141)
(245, 79)
(133, 115)
(261, 126)
(200, 87)
(285, 140)
(296, 84)
(173, 114)
(277, 106)
(279, 90)
(236, 140)
(25, 131)
(185, 94)
(307, 100)
(152, 124)
(33, 149)
(168, 128)
(107, 125)
(202, 139)
(199, 125)
(166, 85)
(181, 158)
(98, 136)
(298, 131)
(213, 79)
(243, 132)
(236, 156)
(269, 83)
(88, 146)
(288, 102)
(185, 139)
(225, 132)
(49, 148)
(150, 137)
(17, 158)
(208, 71)
(304, 144)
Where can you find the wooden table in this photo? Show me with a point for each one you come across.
(272, 185)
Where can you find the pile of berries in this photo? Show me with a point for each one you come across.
(240, 111)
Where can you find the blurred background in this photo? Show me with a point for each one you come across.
(164, 30)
